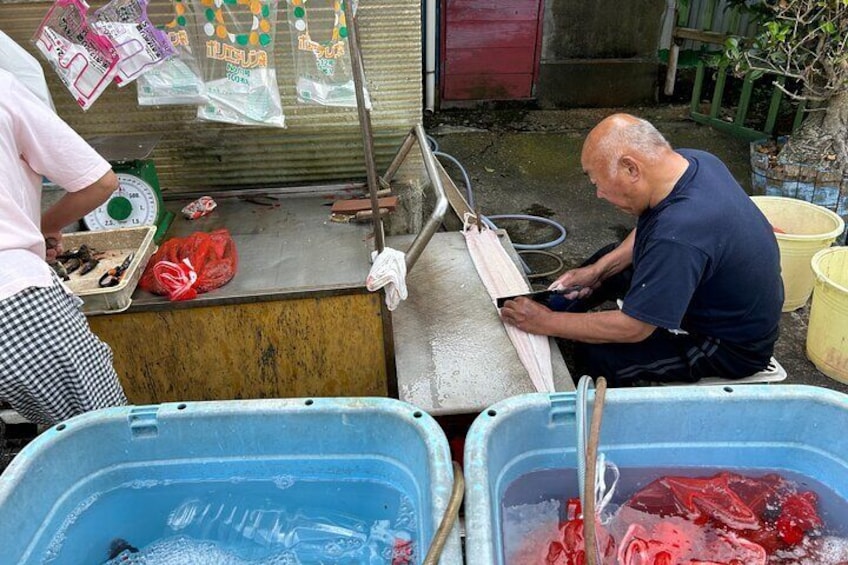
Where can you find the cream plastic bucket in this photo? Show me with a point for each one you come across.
(808, 229)
(827, 335)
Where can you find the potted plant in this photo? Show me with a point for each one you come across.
(805, 41)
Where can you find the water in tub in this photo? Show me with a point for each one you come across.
(240, 522)
(756, 517)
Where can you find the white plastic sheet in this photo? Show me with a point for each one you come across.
(501, 277)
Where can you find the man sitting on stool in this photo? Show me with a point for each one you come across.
(699, 276)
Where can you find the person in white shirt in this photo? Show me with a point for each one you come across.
(52, 367)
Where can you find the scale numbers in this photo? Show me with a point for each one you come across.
(133, 204)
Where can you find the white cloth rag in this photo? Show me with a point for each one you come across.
(388, 270)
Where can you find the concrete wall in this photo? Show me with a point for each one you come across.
(599, 53)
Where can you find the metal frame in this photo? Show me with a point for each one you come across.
(365, 124)
(432, 168)
(435, 219)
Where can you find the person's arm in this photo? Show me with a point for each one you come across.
(612, 326)
(52, 149)
(618, 259)
(591, 276)
(74, 205)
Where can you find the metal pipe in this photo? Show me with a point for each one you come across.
(435, 219)
(669, 41)
(671, 73)
(429, 55)
(365, 125)
(669, 22)
(400, 156)
(340, 189)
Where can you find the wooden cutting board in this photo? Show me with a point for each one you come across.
(359, 204)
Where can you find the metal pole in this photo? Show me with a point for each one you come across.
(404, 150)
(435, 219)
(364, 124)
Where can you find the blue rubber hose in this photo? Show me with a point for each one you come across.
(547, 221)
(584, 385)
(488, 220)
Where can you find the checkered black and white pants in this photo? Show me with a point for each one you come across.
(52, 366)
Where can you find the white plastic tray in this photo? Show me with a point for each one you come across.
(115, 245)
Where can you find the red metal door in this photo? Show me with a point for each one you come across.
(490, 49)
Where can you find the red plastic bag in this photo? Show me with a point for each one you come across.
(766, 510)
(183, 267)
(726, 519)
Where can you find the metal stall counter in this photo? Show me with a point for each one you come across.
(453, 355)
(296, 320)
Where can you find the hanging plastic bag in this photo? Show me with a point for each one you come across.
(238, 62)
(179, 79)
(85, 60)
(322, 67)
(140, 46)
(184, 267)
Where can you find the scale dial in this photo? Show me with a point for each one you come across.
(133, 204)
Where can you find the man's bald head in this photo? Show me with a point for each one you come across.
(630, 163)
(621, 134)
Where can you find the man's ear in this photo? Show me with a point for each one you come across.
(630, 166)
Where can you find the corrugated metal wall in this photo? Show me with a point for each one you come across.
(716, 15)
(319, 144)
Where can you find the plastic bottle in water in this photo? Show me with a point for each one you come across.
(247, 535)
(236, 522)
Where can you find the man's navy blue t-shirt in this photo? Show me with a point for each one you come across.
(706, 261)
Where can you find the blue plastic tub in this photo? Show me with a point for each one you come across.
(261, 479)
(798, 429)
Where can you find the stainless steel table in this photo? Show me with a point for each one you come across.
(452, 352)
(287, 247)
(296, 321)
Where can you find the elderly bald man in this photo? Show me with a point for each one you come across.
(699, 276)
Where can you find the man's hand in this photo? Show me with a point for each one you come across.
(526, 315)
(53, 242)
(586, 277)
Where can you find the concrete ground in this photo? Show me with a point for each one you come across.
(528, 162)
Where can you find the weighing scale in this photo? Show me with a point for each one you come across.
(138, 199)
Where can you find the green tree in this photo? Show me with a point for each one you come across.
(807, 42)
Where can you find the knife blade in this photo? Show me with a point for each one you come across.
(540, 296)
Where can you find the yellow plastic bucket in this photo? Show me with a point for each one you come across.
(827, 334)
(808, 228)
